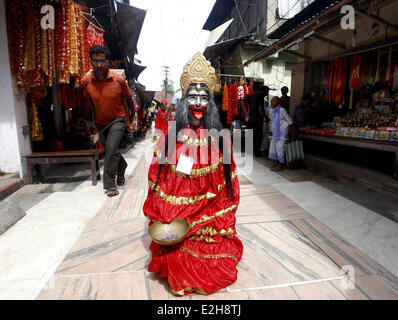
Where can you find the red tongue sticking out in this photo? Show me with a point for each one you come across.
(198, 114)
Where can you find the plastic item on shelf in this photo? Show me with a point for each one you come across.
(381, 135)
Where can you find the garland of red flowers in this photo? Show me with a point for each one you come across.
(225, 98)
(235, 110)
(229, 115)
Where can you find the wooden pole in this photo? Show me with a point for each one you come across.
(378, 65)
(389, 64)
(351, 98)
(58, 116)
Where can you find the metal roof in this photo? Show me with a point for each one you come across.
(303, 17)
(218, 14)
(221, 47)
(128, 23)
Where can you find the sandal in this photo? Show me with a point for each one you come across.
(112, 192)
(120, 181)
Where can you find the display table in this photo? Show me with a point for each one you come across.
(388, 146)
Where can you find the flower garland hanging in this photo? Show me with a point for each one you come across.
(235, 110)
(230, 97)
(246, 90)
(225, 99)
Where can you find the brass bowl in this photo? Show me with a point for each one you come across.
(168, 234)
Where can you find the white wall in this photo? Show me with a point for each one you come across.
(272, 70)
(13, 114)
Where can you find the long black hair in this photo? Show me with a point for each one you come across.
(211, 122)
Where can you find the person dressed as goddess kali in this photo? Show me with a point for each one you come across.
(205, 194)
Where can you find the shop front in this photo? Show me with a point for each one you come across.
(351, 74)
(49, 63)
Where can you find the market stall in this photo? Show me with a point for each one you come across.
(351, 74)
(356, 101)
(50, 63)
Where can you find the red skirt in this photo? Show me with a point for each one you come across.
(200, 267)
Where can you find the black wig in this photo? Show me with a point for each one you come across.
(211, 121)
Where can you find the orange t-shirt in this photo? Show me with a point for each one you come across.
(107, 96)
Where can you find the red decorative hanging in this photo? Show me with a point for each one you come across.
(94, 36)
(230, 94)
(225, 99)
(235, 110)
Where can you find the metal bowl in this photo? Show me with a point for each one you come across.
(168, 234)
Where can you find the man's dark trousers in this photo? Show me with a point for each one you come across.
(257, 127)
(110, 136)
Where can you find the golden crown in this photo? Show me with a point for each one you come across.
(198, 70)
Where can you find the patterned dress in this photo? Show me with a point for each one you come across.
(280, 133)
(206, 260)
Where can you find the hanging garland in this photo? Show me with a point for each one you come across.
(225, 101)
(235, 110)
(34, 98)
(229, 115)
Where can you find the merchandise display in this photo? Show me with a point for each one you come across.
(48, 62)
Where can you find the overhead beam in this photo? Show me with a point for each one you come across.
(337, 44)
(377, 19)
(296, 54)
(316, 23)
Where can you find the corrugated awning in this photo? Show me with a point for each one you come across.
(121, 36)
(219, 14)
(219, 48)
(216, 34)
(148, 96)
(129, 20)
(299, 27)
(134, 70)
(305, 16)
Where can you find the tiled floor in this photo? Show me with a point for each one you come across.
(288, 254)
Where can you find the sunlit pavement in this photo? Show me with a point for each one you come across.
(301, 241)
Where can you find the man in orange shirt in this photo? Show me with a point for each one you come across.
(106, 92)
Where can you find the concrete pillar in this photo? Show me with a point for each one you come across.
(301, 77)
(13, 110)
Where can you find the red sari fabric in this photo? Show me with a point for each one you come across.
(94, 36)
(206, 260)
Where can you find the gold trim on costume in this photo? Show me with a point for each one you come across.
(209, 256)
(205, 218)
(191, 142)
(187, 200)
(206, 233)
(217, 214)
(181, 293)
(180, 200)
(214, 232)
(207, 239)
(195, 172)
(158, 154)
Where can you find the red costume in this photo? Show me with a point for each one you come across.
(206, 260)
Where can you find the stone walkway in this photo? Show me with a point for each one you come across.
(81, 245)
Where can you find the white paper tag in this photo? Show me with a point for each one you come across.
(185, 164)
(96, 138)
